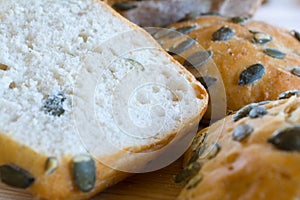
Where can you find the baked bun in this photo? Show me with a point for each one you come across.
(70, 73)
(257, 61)
(253, 154)
(164, 12)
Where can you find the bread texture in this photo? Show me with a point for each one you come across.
(167, 12)
(256, 155)
(52, 52)
(257, 61)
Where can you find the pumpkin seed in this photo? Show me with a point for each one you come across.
(54, 104)
(198, 141)
(288, 94)
(3, 67)
(213, 152)
(189, 16)
(123, 6)
(194, 181)
(239, 20)
(253, 32)
(51, 165)
(261, 38)
(264, 102)
(258, 112)
(274, 53)
(211, 13)
(15, 176)
(244, 111)
(198, 59)
(197, 153)
(297, 35)
(162, 33)
(296, 71)
(223, 34)
(242, 132)
(207, 81)
(181, 47)
(134, 64)
(84, 172)
(186, 29)
(251, 74)
(188, 172)
(287, 139)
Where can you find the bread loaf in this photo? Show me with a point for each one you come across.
(253, 154)
(163, 12)
(257, 61)
(71, 72)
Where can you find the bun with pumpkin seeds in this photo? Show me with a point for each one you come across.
(257, 61)
(170, 11)
(258, 156)
(51, 52)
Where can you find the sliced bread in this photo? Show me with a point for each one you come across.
(84, 96)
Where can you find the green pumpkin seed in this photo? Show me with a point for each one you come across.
(297, 35)
(287, 139)
(197, 153)
(189, 16)
(198, 141)
(181, 47)
(51, 165)
(198, 59)
(251, 74)
(239, 20)
(123, 6)
(258, 112)
(288, 94)
(15, 176)
(53, 105)
(211, 13)
(274, 53)
(207, 81)
(223, 34)
(194, 181)
(242, 132)
(188, 172)
(134, 64)
(296, 71)
(261, 38)
(3, 67)
(244, 111)
(84, 172)
(186, 29)
(213, 152)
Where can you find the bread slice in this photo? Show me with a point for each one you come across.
(85, 94)
(170, 11)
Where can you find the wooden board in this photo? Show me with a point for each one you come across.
(157, 185)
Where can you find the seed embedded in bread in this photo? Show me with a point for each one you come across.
(261, 38)
(15, 176)
(198, 59)
(275, 53)
(223, 34)
(287, 139)
(53, 105)
(242, 132)
(288, 94)
(188, 172)
(296, 71)
(3, 67)
(51, 165)
(84, 172)
(251, 74)
(258, 112)
(239, 20)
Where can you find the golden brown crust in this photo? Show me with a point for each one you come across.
(236, 54)
(60, 185)
(252, 168)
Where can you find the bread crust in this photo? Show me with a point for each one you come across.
(60, 185)
(239, 52)
(252, 168)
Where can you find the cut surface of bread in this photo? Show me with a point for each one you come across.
(78, 83)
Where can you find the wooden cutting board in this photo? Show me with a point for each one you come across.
(157, 185)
